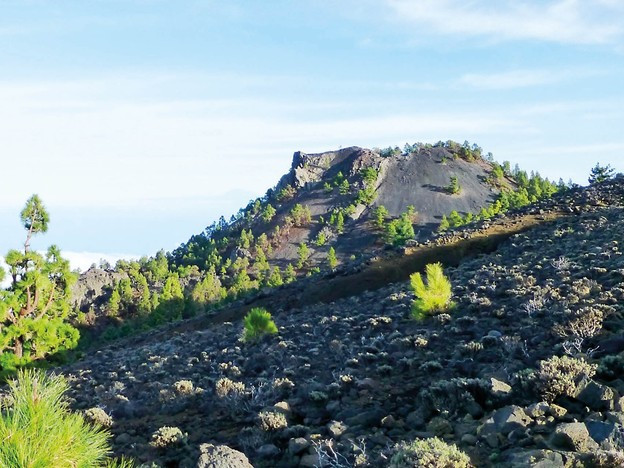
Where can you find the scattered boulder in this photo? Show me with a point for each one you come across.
(573, 436)
(607, 434)
(596, 396)
(505, 420)
(221, 456)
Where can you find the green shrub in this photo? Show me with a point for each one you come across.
(38, 430)
(560, 376)
(429, 453)
(453, 187)
(433, 297)
(399, 231)
(258, 323)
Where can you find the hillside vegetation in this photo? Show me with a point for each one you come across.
(332, 211)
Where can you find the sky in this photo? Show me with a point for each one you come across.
(139, 122)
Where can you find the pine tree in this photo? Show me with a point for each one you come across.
(344, 187)
(453, 188)
(444, 224)
(275, 278)
(268, 213)
(304, 254)
(33, 310)
(380, 214)
(455, 219)
(114, 303)
(332, 261)
(600, 173)
(340, 222)
(289, 274)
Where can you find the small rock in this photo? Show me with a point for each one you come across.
(499, 388)
(298, 445)
(439, 426)
(388, 422)
(469, 439)
(505, 420)
(309, 461)
(267, 451)
(536, 459)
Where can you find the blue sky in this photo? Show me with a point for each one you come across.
(139, 122)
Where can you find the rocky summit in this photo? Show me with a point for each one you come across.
(525, 369)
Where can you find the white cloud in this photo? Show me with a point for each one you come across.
(562, 21)
(518, 78)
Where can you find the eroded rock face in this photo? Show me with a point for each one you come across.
(93, 287)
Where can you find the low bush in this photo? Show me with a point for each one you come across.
(559, 376)
(258, 322)
(433, 297)
(429, 453)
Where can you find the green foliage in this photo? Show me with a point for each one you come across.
(264, 243)
(268, 213)
(242, 283)
(327, 188)
(429, 453)
(246, 239)
(257, 323)
(444, 224)
(600, 173)
(332, 261)
(37, 429)
(321, 239)
(399, 231)
(433, 297)
(114, 303)
(34, 308)
(453, 187)
(344, 187)
(340, 222)
(301, 215)
(369, 176)
(209, 290)
(380, 214)
(303, 254)
(366, 196)
(158, 266)
(286, 193)
(275, 278)
(35, 218)
(339, 179)
(289, 274)
(497, 173)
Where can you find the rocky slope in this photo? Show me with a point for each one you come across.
(355, 376)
